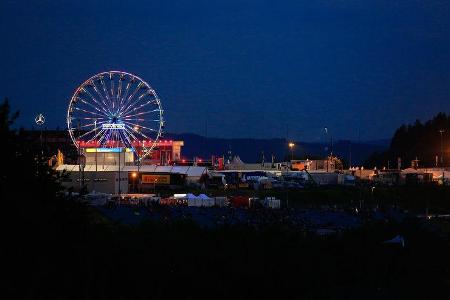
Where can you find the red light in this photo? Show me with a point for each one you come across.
(199, 160)
(183, 161)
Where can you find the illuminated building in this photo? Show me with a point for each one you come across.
(165, 153)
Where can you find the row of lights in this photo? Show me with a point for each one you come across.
(145, 141)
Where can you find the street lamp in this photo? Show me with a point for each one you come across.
(330, 145)
(372, 190)
(81, 165)
(40, 120)
(138, 164)
(441, 131)
(133, 176)
(291, 147)
(154, 185)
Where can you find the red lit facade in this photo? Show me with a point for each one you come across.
(165, 151)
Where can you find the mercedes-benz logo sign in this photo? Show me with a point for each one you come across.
(40, 119)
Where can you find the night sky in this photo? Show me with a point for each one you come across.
(252, 68)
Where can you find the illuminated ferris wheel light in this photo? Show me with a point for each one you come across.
(115, 110)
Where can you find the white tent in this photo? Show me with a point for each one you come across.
(409, 171)
(396, 240)
(237, 161)
(97, 199)
(205, 200)
(192, 200)
(272, 202)
(438, 174)
(349, 178)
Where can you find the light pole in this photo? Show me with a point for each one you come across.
(40, 120)
(134, 177)
(350, 154)
(154, 185)
(82, 165)
(120, 179)
(441, 131)
(291, 147)
(95, 134)
(372, 189)
(330, 145)
(139, 174)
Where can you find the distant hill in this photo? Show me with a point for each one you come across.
(382, 142)
(250, 150)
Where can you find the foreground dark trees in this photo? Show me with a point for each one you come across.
(57, 249)
(179, 260)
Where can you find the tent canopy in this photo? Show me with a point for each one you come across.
(191, 196)
(410, 171)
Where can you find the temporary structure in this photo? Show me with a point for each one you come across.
(399, 240)
(272, 202)
(221, 201)
(410, 171)
(205, 200)
(192, 200)
(240, 201)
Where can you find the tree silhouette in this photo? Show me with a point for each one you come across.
(419, 140)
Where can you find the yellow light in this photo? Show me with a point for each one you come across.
(134, 174)
(291, 145)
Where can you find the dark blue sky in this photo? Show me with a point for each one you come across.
(251, 67)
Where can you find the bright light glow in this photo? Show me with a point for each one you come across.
(291, 145)
(134, 174)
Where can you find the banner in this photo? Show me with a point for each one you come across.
(156, 179)
(113, 126)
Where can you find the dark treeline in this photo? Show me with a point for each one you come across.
(54, 248)
(420, 141)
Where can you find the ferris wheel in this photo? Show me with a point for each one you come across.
(115, 110)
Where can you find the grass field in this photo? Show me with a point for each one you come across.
(415, 199)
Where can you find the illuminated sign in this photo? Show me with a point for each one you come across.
(156, 179)
(113, 126)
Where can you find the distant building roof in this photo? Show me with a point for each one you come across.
(190, 171)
